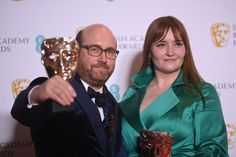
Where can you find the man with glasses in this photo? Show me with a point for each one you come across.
(93, 129)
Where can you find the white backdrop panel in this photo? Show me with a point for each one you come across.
(24, 23)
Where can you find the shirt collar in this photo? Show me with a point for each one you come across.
(87, 85)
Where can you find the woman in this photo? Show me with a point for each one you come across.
(168, 95)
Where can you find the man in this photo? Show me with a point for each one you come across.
(88, 131)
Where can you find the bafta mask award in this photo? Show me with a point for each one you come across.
(60, 57)
(155, 144)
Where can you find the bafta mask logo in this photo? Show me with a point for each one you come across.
(19, 85)
(220, 34)
(231, 133)
(79, 29)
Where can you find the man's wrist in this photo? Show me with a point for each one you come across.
(31, 104)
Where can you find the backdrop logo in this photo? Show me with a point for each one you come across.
(38, 40)
(7, 44)
(221, 86)
(134, 42)
(18, 85)
(115, 91)
(80, 28)
(231, 133)
(220, 34)
(234, 34)
(11, 149)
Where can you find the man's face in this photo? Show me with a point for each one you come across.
(96, 70)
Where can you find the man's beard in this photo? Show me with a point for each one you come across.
(95, 77)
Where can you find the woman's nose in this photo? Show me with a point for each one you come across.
(170, 50)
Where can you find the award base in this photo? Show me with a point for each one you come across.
(57, 108)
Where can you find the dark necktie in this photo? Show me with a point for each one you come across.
(101, 100)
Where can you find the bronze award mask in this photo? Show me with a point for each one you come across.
(60, 57)
(155, 144)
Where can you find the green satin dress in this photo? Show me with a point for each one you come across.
(198, 130)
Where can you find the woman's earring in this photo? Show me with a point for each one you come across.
(149, 61)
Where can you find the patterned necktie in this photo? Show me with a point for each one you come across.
(101, 100)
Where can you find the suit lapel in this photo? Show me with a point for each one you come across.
(165, 102)
(91, 110)
(116, 137)
(130, 109)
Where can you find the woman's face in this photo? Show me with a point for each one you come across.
(168, 54)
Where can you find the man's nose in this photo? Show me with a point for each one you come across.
(103, 57)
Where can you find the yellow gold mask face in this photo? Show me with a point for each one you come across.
(220, 34)
(60, 56)
(19, 85)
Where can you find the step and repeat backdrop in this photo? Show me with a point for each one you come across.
(211, 26)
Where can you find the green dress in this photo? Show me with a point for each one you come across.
(198, 130)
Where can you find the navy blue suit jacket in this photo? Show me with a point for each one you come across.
(72, 134)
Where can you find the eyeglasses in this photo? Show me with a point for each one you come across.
(96, 51)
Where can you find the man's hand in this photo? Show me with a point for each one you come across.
(54, 88)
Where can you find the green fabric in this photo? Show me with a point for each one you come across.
(198, 130)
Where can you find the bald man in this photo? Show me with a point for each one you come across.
(93, 129)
